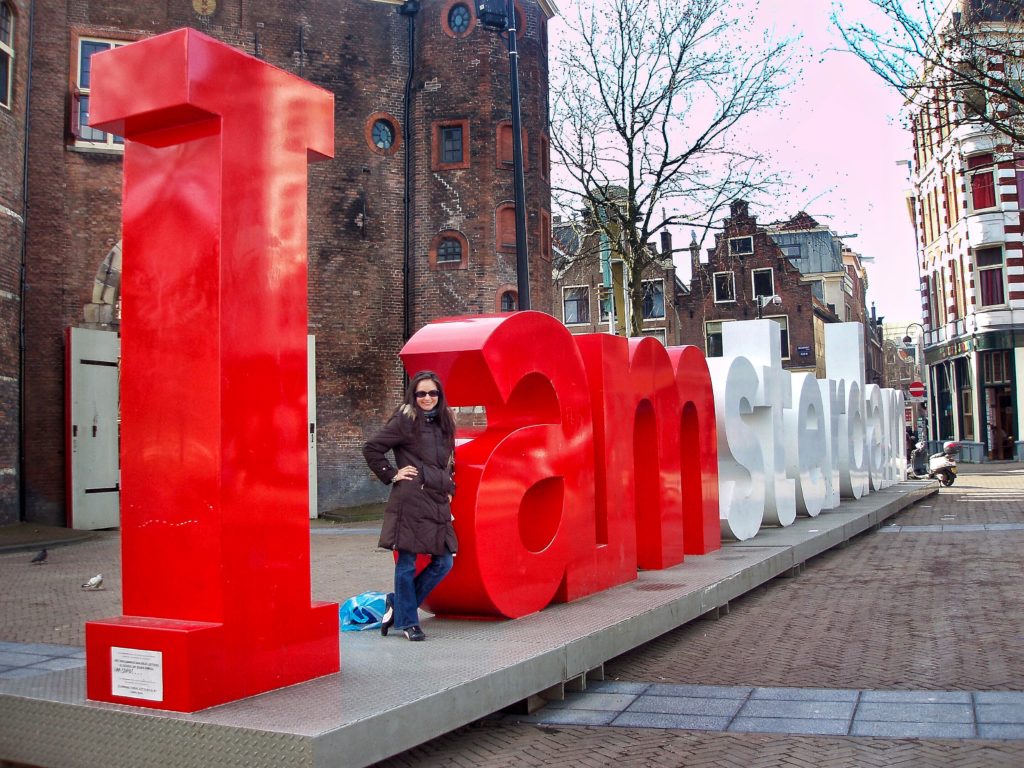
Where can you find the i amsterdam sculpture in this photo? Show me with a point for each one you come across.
(601, 454)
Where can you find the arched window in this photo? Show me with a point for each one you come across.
(6, 53)
(509, 301)
(505, 228)
(449, 250)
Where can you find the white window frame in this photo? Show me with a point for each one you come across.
(567, 288)
(109, 140)
(734, 251)
(661, 334)
(721, 323)
(993, 171)
(979, 269)
(714, 287)
(663, 310)
(753, 281)
(7, 49)
(786, 349)
(786, 253)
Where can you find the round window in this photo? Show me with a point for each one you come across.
(383, 134)
(459, 18)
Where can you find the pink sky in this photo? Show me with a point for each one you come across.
(839, 138)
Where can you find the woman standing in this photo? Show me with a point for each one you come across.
(418, 517)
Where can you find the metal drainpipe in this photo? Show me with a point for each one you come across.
(409, 10)
(22, 287)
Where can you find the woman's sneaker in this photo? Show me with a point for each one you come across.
(415, 633)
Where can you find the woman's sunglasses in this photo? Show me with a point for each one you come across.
(428, 393)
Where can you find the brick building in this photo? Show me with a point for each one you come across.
(968, 214)
(747, 262)
(13, 75)
(412, 220)
(591, 286)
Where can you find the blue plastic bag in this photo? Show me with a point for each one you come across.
(362, 612)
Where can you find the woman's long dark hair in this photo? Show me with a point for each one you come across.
(444, 414)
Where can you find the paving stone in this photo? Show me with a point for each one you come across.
(999, 697)
(681, 705)
(657, 720)
(1000, 713)
(57, 664)
(915, 697)
(792, 725)
(16, 659)
(908, 730)
(47, 649)
(616, 686)
(804, 694)
(1001, 730)
(915, 713)
(705, 691)
(821, 710)
(596, 701)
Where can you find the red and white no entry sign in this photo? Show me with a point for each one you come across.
(916, 389)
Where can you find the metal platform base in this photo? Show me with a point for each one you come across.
(392, 694)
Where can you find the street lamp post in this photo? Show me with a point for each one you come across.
(500, 15)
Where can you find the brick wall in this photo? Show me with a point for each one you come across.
(12, 146)
(798, 303)
(357, 50)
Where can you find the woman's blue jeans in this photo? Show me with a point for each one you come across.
(412, 589)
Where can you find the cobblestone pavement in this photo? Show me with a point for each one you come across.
(931, 603)
(899, 610)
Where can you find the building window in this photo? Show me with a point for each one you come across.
(545, 235)
(504, 146)
(783, 322)
(654, 299)
(790, 250)
(607, 304)
(657, 333)
(509, 301)
(713, 337)
(83, 84)
(457, 19)
(989, 263)
(505, 224)
(725, 287)
(576, 305)
(763, 281)
(983, 188)
(382, 134)
(6, 53)
(449, 250)
(545, 157)
(741, 246)
(450, 145)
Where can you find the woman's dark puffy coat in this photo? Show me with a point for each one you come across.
(418, 517)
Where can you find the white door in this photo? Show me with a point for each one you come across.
(93, 438)
(311, 400)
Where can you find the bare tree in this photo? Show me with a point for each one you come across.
(648, 98)
(963, 57)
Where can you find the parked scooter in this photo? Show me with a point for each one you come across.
(940, 466)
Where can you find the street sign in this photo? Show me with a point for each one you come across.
(916, 389)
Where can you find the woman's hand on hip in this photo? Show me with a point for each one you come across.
(405, 473)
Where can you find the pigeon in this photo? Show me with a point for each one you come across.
(39, 558)
(96, 582)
